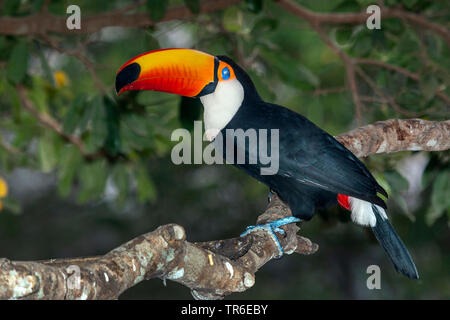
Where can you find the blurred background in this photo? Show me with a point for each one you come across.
(83, 171)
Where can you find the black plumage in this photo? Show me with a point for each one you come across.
(394, 246)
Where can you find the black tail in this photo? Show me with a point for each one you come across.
(394, 247)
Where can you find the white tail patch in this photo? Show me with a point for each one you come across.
(362, 212)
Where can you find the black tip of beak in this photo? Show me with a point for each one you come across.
(127, 75)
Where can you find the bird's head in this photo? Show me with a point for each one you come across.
(220, 83)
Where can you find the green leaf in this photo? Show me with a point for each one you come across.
(10, 7)
(74, 114)
(99, 130)
(112, 142)
(47, 154)
(394, 26)
(264, 26)
(3, 43)
(36, 5)
(307, 75)
(157, 9)
(18, 62)
(138, 124)
(408, 43)
(232, 19)
(379, 40)
(400, 200)
(47, 71)
(435, 47)
(383, 183)
(145, 187)
(440, 200)
(363, 44)
(347, 6)
(12, 206)
(38, 94)
(409, 3)
(88, 111)
(315, 110)
(254, 6)
(162, 145)
(263, 86)
(193, 5)
(14, 99)
(121, 180)
(343, 35)
(396, 181)
(291, 71)
(92, 177)
(429, 85)
(70, 161)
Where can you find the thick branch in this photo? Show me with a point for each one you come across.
(398, 135)
(210, 269)
(163, 253)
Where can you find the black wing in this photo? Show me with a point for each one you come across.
(315, 158)
(309, 155)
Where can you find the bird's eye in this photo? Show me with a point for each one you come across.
(225, 73)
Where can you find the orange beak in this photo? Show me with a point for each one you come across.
(184, 72)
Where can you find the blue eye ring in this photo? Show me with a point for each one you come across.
(226, 73)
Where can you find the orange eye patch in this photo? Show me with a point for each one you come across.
(225, 72)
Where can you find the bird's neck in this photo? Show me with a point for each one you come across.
(221, 106)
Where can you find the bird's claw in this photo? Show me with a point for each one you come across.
(270, 196)
(272, 227)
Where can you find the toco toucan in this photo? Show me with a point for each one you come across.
(315, 170)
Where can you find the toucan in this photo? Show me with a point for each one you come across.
(314, 170)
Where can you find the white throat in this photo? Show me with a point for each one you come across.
(221, 105)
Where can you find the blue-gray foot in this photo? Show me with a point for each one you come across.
(270, 196)
(272, 227)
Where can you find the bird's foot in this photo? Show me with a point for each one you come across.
(272, 227)
(270, 196)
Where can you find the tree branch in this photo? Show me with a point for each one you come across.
(352, 64)
(89, 65)
(361, 17)
(163, 253)
(47, 120)
(398, 135)
(51, 123)
(210, 269)
(44, 23)
(406, 72)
